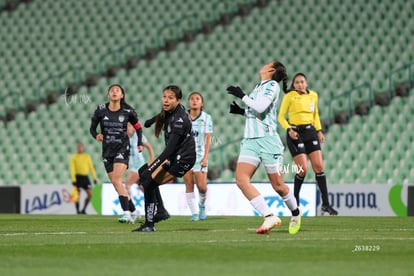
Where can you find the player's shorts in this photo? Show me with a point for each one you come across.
(118, 158)
(178, 167)
(135, 162)
(83, 181)
(307, 142)
(197, 166)
(268, 149)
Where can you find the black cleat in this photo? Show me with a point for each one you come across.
(330, 210)
(145, 228)
(162, 215)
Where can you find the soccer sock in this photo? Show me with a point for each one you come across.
(149, 195)
(260, 205)
(131, 206)
(159, 201)
(77, 207)
(124, 203)
(202, 198)
(296, 186)
(321, 180)
(290, 202)
(191, 202)
(85, 204)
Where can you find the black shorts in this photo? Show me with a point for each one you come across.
(118, 158)
(307, 142)
(178, 167)
(82, 181)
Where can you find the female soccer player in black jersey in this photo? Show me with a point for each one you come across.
(113, 118)
(178, 156)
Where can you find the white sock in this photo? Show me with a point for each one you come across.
(202, 198)
(290, 201)
(191, 202)
(260, 205)
(128, 213)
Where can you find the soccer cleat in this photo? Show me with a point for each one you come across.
(269, 223)
(126, 218)
(330, 210)
(194, 217)
(294, 224)
(162, 215)
(145, 228)
(134, 218)
(202, 214)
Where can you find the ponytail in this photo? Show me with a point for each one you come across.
(280, 75)
(159, 123)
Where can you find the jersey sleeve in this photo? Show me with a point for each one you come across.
(316, 119)
(209, 124)
(72, 169)
(91, 167)
(133, 119)
(94, 122)
(282, 112)
(267, 95)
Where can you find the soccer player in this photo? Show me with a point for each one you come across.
(304, 135)
(113, 118)
(137, 160)
(202, 129)
(261, 143)
(80, 167)
(178, 156)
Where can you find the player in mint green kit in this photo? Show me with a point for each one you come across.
(261, 144)
(202, 128)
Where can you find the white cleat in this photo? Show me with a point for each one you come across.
(269, 223)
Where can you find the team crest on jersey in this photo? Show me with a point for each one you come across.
(121, 118)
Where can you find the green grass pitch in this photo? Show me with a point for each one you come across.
(99, 245)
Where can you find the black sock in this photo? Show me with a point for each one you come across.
(131, 206)
(149, 195)
(158, 198)
(295, 212)
(321, 180)
(77, 207)
(296, 186)
(124, 203)
(85, 205)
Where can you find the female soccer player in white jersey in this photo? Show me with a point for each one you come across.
(261, 143)
(202, 129)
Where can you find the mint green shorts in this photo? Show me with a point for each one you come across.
(267, 150)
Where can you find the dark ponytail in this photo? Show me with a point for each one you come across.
(280, 74)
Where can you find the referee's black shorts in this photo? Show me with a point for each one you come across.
(307, 142)
(82, 181)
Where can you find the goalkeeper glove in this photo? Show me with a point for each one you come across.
(236, 109)
(235, 91)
